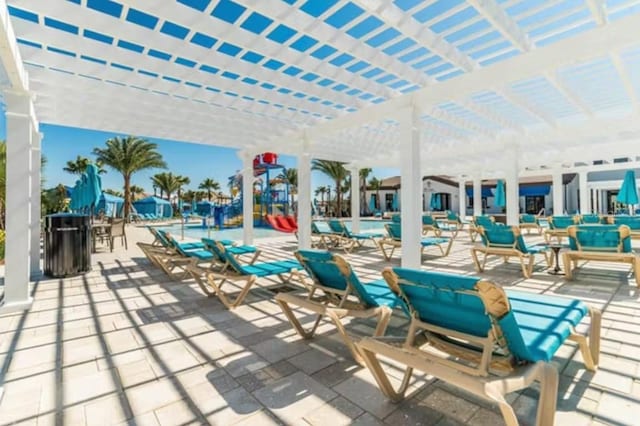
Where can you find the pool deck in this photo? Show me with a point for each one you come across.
(123, 344)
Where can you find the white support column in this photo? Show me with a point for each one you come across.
(462, 198)
(34, 249)
(512, 191)
(585, 198)
(304, 200)
(20, 129)
(477, 196)
(247, 197)
(558, 198)
(355, 199)
(411, 188)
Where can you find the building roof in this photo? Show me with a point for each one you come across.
(491, 81)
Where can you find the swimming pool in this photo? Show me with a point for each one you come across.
(196, 231)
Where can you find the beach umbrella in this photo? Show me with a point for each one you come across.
(94, 187)
(438, 202)
(394, 202)
(75, 194)
(628, 193)
(194, 206)
(433, 202)
(83, 191)
(372, 203)
(500, 200)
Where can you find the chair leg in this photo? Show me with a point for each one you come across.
(566, 262)
(373, 364)
(476, 262)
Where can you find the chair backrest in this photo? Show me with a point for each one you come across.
(164, 239)
(211, 246)
(606, 238)
(633, 222)
(117, 227)
(590, 219)
(230, 259)
(394, 230)
(484, 221)
(463, 304)
(320, 227)
(332, 272)
(503, 236)
(337, 226)
(453, 217)
(428, 220)
(396, 218)
(528, 218)
(562, 222)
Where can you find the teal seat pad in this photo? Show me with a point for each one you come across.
(241, 249)
(200, 254)
(270, 268)
(425, 242)
(599, 238)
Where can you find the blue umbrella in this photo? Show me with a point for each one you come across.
(194, 206)
(94, 187)
(628, 193)
(75, 195)
(372, 203)
(433, 202)
(83, 192)
(438, 202)
(499, 195)
(394, 202)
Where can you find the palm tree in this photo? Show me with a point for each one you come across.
(79, 166)
(291, 177)
(375, 184)
(129, 155)
(336, 171)
(168, 183)
(116, 193)
(182, 181)
(136, 192)
(189, 195)
(209, 185)
(364, 174)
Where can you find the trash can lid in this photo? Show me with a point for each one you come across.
(67, 215)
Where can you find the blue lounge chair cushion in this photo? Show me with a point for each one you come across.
(200, 254)
(591, 218)
(236, 250)
(425, 242)
(365, 236)
(498, 236)
(633, 222)
(561, 222)
(535, 327)
(528, 218)
(270, 268)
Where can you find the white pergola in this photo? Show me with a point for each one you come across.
(468, 88)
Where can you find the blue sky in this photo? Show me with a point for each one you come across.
(61, 144)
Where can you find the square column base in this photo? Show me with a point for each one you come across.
(6, 308)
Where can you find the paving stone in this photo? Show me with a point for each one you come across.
(618, 409)
(312, 360)
(360, 388)
(108, 410)
(274, 350)
(229, 408)
(338, 411)
(293, 397)
(242, 363)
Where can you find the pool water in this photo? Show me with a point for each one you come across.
(196, 231)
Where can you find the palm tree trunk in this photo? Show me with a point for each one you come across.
(338, 199)
(127, 196)
(208, 195)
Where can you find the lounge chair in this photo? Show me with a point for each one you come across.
(237, 251)
(349, 240)
(633, 222)
(394, 230)
(162, 239)
(529, 222)
(337, 293)
(558, 227)
(472, 334)
(430, 224)
(606, 243)
(590, 219)
(211, 282)
(454, 219)
(477, 222)
(324, 234)
(507, 241)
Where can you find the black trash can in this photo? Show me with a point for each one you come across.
(67, 245)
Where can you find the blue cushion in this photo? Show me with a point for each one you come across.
(633, 222)
(535, 327)
(191, 246)
(561, 222)
(270, 268)
(200, 254)
(425, 242)
(236, 250)
(599, 238)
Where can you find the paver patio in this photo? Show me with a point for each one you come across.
(123, 344)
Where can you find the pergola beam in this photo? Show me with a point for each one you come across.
(598, 9)
(495, 14)
(626, 81)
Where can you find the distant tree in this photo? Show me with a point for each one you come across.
(137, 192)
(182, 181)
(79, 166)
(290, 176)
(167, 182)
(336, 171)
(128, 156)
(374, 184)
(364, 174)
(114, 192)
(189, 196)
(209, 185)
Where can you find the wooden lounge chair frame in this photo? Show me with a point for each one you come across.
(389, 244)
(333, 303)
(211, 282)
(535, 225)
(570, 258)
(558, 233)
(167, 260)
(471, 362)
(347, 239)
(223, 263)
(506, 251)
(473, 226)
(434, 227)
(325, 239)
